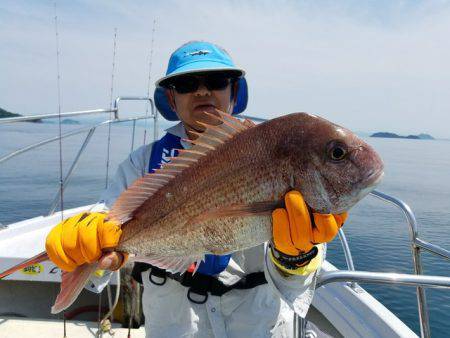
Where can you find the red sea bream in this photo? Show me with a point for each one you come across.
(217, 196)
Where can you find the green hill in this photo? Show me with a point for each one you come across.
(4, 113)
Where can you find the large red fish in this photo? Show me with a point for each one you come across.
(217, 196)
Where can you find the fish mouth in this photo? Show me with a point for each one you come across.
(373, 177)
(368, 183)
(365, 186)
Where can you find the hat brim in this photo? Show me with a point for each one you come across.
(200, 67)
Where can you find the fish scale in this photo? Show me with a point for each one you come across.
(167, 236)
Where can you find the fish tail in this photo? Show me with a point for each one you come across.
(33, 260)
(72, 283)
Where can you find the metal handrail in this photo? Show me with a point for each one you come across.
(89, 130)
(416, 245)
(29, 118)
(346, 248)
(413, 230)
(382, 278)
(65, 135)
(153, 114)
(347, 254)
(432, 248)
(50, 116)
(56, 199)
(41, 143)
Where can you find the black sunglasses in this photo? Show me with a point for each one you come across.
(184, 84)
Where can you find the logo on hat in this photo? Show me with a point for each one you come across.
(199, 52)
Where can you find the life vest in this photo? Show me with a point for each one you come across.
(203, 283)
(162, 150)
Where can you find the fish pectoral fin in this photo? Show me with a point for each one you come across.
(239, 210)
(171, 264)
(72, 283)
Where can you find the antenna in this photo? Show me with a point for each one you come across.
(149, 78)
(110, 107)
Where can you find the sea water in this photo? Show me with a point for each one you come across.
(417, 172)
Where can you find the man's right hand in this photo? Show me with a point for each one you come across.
(82, 239)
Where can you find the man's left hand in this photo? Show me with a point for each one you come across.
(296, 232)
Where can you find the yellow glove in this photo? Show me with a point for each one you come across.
(295, 234)
(80, 239)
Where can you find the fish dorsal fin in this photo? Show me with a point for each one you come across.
(144, 187)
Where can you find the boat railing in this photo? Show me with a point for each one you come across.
(351, 276)
(89, 132)
(417, 279)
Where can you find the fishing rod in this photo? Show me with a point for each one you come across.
(149, 83)
(110, 107)
(103, 324)
(61, 182)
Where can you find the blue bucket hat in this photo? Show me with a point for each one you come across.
(199, 57)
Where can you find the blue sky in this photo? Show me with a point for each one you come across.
(368, 65)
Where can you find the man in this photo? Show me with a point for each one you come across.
(252, 293)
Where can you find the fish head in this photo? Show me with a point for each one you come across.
(333, 167)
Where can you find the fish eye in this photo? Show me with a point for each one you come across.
(337, 151)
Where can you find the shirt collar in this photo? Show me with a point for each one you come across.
(180, 131)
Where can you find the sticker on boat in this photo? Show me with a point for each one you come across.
(34, 269)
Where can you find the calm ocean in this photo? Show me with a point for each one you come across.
(418, 172)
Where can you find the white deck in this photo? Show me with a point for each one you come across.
(40, 328)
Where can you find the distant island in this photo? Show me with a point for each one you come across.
(393, 135)
(65, 121)
(69, 121)
(4, 114)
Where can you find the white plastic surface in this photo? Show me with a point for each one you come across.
(23, 240)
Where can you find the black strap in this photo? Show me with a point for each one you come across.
(201, 284)
(137, 271)
(198, 284)
(294, 262)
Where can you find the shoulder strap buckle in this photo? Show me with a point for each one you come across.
(196, 300)
(159, 273)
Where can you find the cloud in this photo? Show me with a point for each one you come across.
(367, 65)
